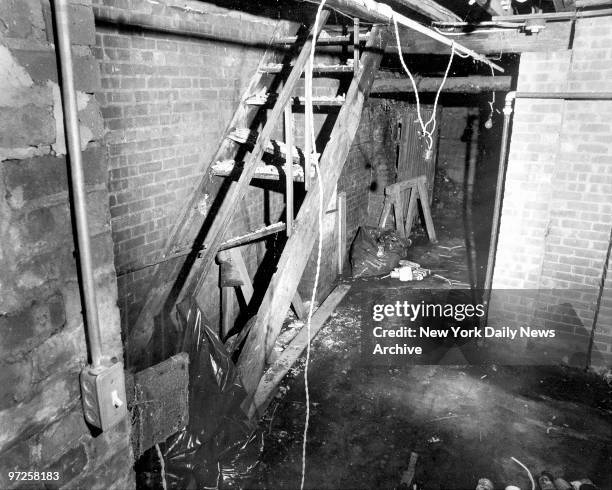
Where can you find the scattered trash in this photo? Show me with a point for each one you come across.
(375, 251)
(433, 439)
(485, 484)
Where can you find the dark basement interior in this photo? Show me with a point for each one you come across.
(342, 244)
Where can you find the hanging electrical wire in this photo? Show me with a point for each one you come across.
(426, 130)
(310, 133)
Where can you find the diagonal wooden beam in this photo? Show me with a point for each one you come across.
(237, 191)
(292, 263)
(430, 9)
(189, 219)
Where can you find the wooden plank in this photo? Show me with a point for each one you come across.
(298, 247)
(430, 9)
(237, 192)
(189, 219)
(227, 310)
(356, 44)
(424, 198)
(398, 212)
(382, 222)
(289, 170)
(341, 225)
(159, 396)
(554, 37)
(270, 381)
(380, 12)
(247, 285)
(464, 85)
(298, 306)
(412, 209)
(308, 121)
(277, 68)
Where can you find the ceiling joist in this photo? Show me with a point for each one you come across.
(465, 85)
(496, 42)
(430, 9)
(380, 12)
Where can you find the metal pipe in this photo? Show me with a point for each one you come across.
(77, 181)
(565, 95)
(501, 176)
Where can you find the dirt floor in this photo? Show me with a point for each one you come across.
(463, 422)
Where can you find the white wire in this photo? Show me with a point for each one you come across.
(425, 127)
(311, 131)
(163, 466)
(526, 469)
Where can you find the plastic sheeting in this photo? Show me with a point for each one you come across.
(219, 445)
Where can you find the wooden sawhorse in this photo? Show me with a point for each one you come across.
(395, 195)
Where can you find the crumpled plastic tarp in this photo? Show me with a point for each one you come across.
(375, 251)
(219, 445)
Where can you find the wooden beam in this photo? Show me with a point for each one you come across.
(380, 12)
(465, 85)
(298, 247)
(270, 381)
(494, 7)
(554, 37)
(430, 9)
(189, 219)
(237, 192)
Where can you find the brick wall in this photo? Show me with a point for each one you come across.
(371, 163)
(557, 208)
(167, 99)
(42, 337)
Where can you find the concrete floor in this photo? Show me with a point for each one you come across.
(464, 422)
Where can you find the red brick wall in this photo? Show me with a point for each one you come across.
(557, 208)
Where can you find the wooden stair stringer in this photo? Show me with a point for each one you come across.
(237, 189)
(271, 314)
(165, 274)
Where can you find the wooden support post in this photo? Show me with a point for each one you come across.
(308, 121)
(424, 198)
(341, 225)
(227, 310)
(269, 383)
(297, 250)
(355, 44)
(289, 168)
(398, 210)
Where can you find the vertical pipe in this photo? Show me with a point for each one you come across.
(77, 180)
(501, 175)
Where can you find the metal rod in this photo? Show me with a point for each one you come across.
(565, 95)
(501, 175)
(77, 181)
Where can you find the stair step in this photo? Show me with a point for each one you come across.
(226, 168)
(320, 68)
(324, 39)
(270, 99)
(274, 147)
(253, 235)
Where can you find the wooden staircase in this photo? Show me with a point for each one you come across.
(269, 99)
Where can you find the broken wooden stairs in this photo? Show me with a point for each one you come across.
(269, 99)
